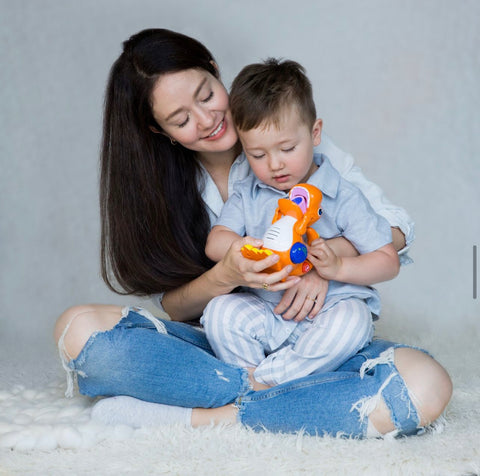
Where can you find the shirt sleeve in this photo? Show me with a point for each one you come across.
(360, 224)
(396, 216)
(232, 214)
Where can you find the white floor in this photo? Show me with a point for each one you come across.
(42, 433)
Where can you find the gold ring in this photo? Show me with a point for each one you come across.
(311, 299)
(265, 286)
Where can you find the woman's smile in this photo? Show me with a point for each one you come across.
(218, 132)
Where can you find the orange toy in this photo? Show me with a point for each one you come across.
(292, 220)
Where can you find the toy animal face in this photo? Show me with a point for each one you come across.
(291, 221)
(308, 198)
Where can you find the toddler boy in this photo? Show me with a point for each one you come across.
(274, 112)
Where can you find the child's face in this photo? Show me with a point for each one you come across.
(282, 157)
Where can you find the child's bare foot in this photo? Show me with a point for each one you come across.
(256, 385)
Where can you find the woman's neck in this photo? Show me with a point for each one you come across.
(218, 165)
(219, 160)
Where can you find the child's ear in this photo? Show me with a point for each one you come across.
(317, 132)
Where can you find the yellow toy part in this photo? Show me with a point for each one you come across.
(285, 236)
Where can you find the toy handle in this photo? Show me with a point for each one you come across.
(311, 235)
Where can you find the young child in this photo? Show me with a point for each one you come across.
(273, 110)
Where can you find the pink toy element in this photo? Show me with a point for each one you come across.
(292, 220)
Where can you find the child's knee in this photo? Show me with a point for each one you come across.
(359, 326)
(215, 314)
(365, 333)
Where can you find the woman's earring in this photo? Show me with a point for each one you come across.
(173, 141)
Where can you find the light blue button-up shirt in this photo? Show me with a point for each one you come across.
(344, 163)
(346, 212)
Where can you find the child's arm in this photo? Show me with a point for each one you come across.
(219, 241)
(370, 268)
(342, 247)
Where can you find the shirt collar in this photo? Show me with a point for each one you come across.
(326, 177)
(209, 191)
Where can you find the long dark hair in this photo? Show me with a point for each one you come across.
(153, 219)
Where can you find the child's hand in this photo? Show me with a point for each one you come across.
(324, 259)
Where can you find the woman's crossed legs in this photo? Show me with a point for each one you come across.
(184, 373)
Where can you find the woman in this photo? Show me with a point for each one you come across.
(168, 162)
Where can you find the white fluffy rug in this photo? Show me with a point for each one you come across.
(43, 433)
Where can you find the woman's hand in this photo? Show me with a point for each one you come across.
(240, 271)
(304, 299)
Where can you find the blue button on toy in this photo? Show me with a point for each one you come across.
(298, 253)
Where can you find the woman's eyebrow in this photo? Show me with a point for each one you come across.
(195, 94)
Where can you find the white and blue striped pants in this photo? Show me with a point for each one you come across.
(242, 329)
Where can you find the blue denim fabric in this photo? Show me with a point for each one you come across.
(178, 368)
(331, 403)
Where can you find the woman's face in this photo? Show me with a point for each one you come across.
(191, 107)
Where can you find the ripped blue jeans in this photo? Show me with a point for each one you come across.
(172, 363)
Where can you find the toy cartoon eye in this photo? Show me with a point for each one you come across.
(320, 211)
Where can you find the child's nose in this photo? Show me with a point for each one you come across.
(275, 162)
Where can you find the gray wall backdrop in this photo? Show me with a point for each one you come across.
(396, 82)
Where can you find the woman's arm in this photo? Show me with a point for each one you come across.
(188, 301)
(398, 239)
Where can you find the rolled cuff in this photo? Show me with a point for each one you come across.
(398, 218)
